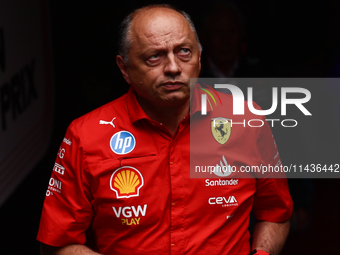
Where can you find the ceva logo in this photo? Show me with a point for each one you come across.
(231, 200)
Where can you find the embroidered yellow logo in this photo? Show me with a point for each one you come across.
(126, 182)
(221, 129)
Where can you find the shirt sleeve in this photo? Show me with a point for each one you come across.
(67, 211)
(272, 198)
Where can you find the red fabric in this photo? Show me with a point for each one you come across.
(138, 198)
(259, 252)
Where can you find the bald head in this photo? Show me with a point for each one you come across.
(138, 19)
(159, 55)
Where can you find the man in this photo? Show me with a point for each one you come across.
(121, 183)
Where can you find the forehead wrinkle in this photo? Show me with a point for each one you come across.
(159, 29)
(145, 42)
(171, 32)
(165, 39)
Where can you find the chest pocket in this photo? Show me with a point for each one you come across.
(133, 174)
(138, 161)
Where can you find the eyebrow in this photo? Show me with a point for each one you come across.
(185, 42)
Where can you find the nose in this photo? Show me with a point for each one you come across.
(172, 66)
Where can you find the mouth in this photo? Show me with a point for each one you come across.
(172, 85)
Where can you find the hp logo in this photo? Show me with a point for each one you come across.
(122, 142)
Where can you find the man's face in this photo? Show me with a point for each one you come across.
(164, 55)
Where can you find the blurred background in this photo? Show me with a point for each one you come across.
(63, 66)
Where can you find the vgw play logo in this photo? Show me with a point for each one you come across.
(238, 104)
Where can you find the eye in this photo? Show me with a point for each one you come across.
(184, 54)
(154, 57)
(184, 51)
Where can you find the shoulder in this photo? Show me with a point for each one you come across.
(105, 113)
(93, 126)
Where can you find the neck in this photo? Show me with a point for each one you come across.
(170, 116)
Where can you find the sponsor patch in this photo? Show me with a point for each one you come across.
(54, 186)
(224, 201)
(223, 169)
(221, 129)
(103, 122)
(59, 168)
(221, 182)
(122, 142)
(61, 152)
(68, 142)
(130, 215)
(126, 182)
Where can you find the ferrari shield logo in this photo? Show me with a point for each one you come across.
(221, 129)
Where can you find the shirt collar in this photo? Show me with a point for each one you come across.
(133, 108)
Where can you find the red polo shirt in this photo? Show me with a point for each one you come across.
(121, 183)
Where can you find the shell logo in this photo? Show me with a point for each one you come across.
(126, 182)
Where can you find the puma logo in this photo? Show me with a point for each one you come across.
(108, 122)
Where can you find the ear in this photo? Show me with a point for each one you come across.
(123, 68)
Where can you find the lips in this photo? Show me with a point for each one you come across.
(173, 85)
